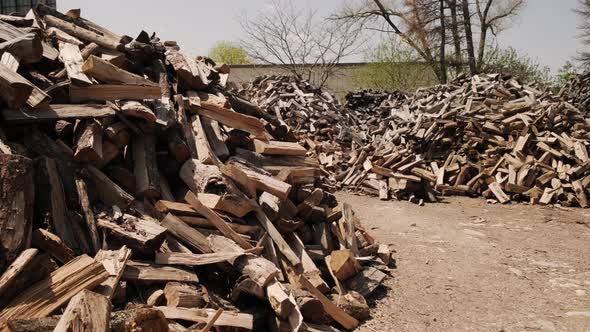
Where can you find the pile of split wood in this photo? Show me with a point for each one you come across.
(368, 100)
(577, 91)
(138, 194)
(486, 135)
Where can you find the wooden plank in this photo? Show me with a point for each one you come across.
(87, 311)
(46, 296)
(344, 319)
(71, 57)
(57, 111)
(110, 92)
(106, 72)
(214, 218)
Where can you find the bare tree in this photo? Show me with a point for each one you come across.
(583, 11)
(425, 24)
(309, 46)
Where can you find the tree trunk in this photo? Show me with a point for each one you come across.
(455, 30)
(443, 41)
(469, 37)
(482, 45)
(16, 206)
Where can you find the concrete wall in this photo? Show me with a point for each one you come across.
(340, 83)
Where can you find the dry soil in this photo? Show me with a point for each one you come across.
(465, 265)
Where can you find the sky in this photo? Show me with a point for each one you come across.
(546, 30)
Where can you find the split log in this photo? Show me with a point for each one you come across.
(109, 192)
(344, 319)
(10, 32)
(366, 281)
(16, 206)
(114, 261)
(141, 235)
(279, 148)
(184, 295)
(187, 259)
(343, 264)
(53, 245)
(15, 90)
(148, 273)
(87, 311)
(139, 319)
(44, 297)
(27, 48)
(83, 34)
(89, 143)
(45, 324)
(236, 120)
(188, 70)
(71, 57)
(108, 73)
(18, 265)
(227, 319)
(147, 175)
(57, 112)
(216, 220)
(110, 92)
(136, 109)
(190, 236)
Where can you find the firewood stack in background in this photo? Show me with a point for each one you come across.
(488, 135)
(137, 193)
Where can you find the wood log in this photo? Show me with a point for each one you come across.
(114, 261)
(339, 315)
(141, 235)
(212, 321)
(185, 127)
(308, 267)
(215, 139)
(87, 311)
(53, 245)
(384, 253)
(71, 57)
(227, 319)
(178, 209)
(109, 192)
(44, 297)
(258, 269)
(16, 206)
(216, 220)
(311, 308)
(263, 182)
(280, 300)
(147, 175)
(274, 148)
(135, 109)
(184, 295)
(136, 271)
(109, 73)
(204, 150)
(82, 33)
(45, 324)
(189, 259)
(56, 112)
(163, 106)
(15, 90)
(139, 319)
(343, 264)
(18, 265)
(187, 70)
(89, 143)
(236, 120)
(26, 48)
(277, 237)
(10, 32)
(110, 92)
(353, 304)
(190, 236)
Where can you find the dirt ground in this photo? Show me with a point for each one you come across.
(465, 265)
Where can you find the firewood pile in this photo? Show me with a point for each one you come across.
(488, 135)
(367, 100)
(138, 193)
(577, 91)
(484, 136)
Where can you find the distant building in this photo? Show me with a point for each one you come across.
(22, 6)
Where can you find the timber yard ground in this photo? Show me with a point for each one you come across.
(465, 265)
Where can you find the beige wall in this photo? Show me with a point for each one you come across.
(340, 83)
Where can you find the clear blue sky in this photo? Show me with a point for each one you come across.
(546, 30)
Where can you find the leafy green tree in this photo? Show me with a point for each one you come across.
(564, 74)
(229, 53)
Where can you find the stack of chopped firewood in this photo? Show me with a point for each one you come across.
(486, 135)
(577, 91)
(137, 193)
